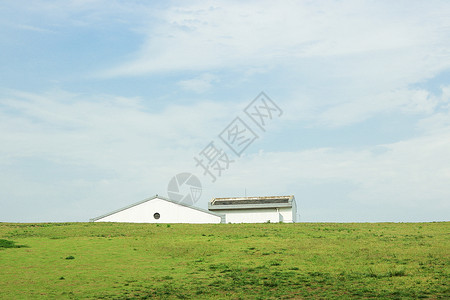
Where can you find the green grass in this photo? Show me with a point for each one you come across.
(228, 261)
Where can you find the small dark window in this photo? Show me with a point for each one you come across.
(156, 216)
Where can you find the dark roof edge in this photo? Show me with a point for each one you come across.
(149, 199)
(289, 197)
(249, 206)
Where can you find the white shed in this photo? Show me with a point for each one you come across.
(272, 209)
(158, 209)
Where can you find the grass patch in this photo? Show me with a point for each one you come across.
(225, 261)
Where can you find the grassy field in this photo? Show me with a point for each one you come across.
(228, 261)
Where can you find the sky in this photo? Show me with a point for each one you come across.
(102, 103)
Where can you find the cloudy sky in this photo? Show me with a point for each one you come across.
(103, 102)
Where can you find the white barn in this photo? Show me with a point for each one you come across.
(158, 209)
(272, 209)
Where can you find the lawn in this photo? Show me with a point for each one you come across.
(225, 261)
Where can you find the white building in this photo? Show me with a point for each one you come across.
(272, 209)
(158, 209)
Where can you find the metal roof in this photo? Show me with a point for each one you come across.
(150, 199)
(250, 202)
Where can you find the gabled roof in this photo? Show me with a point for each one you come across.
(150, 199)
(251, 202)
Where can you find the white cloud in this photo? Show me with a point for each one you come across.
(208, 35)
(439, 121)
(360, 109)
(34, 28)
(363, 57)
(199, 84)
(70, 122)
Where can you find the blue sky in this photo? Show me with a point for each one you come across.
(103, 102)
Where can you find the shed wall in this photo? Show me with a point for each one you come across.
(258, 215)
(169, 213)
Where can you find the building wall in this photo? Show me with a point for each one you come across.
(258, 215)
(169, 213)
(294, 211)
(287, 215)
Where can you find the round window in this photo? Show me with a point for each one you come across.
(156, 216)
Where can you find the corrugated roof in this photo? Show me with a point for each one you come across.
(251, 202)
